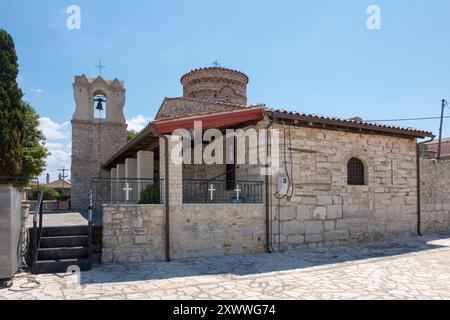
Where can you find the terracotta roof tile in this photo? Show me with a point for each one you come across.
(348, 121)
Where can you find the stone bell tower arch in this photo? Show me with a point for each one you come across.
(94, 139)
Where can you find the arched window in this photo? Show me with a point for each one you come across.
(355, 172)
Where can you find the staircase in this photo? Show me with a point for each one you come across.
(61, 247)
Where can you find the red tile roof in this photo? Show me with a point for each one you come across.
(350, 122)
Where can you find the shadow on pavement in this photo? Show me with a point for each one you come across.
(251, 265)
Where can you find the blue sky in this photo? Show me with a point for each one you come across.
(312, 56)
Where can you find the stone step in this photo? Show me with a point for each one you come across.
(65, 231)
(60, 265)
(62, 253)
(64, 241)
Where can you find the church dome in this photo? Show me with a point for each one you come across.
(216, 84)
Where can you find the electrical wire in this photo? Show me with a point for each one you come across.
(407, 119)
(290, 190)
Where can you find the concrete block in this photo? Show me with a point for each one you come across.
(334, 212)
(313, 227)
(320, 213)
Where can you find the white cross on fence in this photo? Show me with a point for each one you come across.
(211, 189)
(127, 190)
(237, 191)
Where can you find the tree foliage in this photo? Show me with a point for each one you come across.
(34, 151)
(131, 134)
(22, 150)
(11, 109)
(49, 193)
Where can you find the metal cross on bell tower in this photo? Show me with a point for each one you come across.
(100, 67)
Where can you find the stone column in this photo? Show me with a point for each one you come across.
(175, 182)
(113, 184)
(120, 175)
(145, 167)
(131, 173)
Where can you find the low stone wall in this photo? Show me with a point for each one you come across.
(201, 230)
(435, 195)
(48, 205)
(135, 233)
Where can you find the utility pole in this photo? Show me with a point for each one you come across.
(440, 129)
(63, 177)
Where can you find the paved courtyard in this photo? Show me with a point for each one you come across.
(404, 268)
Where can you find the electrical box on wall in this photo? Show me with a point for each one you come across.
(282, 184)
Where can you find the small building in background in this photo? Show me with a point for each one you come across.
(430, 150)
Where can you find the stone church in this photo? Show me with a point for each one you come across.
(339, 180)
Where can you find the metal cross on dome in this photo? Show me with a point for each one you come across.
(216, 63)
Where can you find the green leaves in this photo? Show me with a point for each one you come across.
(22, 151)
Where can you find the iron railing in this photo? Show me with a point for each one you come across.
(127, 190)
(37, 226)
(90, 208)
(222, 191)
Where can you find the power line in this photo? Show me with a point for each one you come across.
(407, 119)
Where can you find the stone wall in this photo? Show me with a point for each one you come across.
(324, 209)
(133, 233)
(91, 146)
(435, 195)
(176, 107)
(216, 84)
(47, 205)
(201, 230)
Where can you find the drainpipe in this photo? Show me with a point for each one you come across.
(419, 203)
(166, 197)
(267, 194)
(167, 224)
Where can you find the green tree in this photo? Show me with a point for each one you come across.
(49, 193)
(34, 152)
(131, 134)
(11, 109)
(22, 149)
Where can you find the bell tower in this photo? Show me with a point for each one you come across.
(98, 130)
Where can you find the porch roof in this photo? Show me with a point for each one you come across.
(148, 138)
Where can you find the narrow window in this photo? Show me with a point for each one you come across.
(355, 172)
(100, 106)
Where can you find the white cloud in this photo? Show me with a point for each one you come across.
(53, 146)
(58, 144)
(53, 130)
(138, 123)
(60, 156)
(37, 90)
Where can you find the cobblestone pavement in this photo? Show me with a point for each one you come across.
(404, 268)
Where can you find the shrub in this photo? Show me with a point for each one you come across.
(150, 194)
(49, 193)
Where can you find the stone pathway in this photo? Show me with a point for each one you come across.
(60, 218)
(404, 268)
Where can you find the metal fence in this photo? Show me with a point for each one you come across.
(127, 190)
(214, 191)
